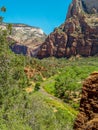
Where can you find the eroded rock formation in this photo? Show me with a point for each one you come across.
(87, 118)
(78, 35)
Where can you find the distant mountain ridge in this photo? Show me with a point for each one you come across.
(27, 39)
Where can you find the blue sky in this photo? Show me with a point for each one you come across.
(46, 14)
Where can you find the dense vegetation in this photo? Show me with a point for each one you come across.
(63, 78)
(23, 109)
(40, 94)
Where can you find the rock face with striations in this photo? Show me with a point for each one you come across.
(26, 39)
(78, 35)
(88, 116)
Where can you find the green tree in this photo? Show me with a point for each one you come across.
(2, 9)
(9, 28)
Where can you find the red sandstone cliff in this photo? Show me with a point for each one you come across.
(78, 35)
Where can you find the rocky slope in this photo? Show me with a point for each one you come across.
(78, 35)
(88, 116)
(26, 39)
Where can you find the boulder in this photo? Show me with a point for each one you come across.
(87, 118)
